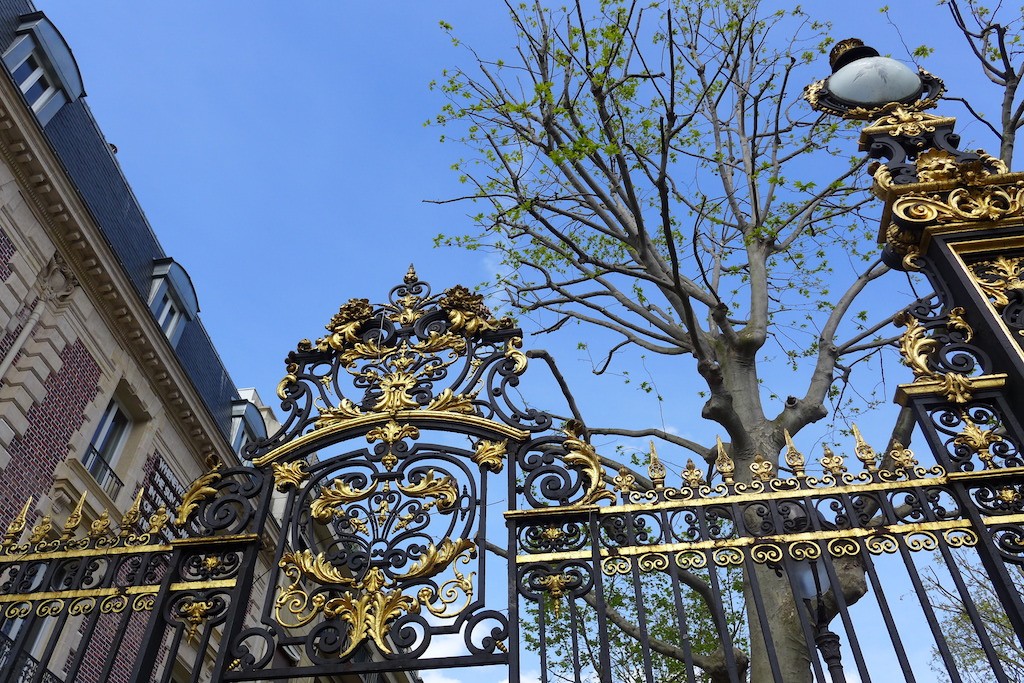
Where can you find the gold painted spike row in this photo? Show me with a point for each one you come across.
(98, 528)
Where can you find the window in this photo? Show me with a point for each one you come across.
(247, 425)
(106, 446)
(43, 67)
(172, 299)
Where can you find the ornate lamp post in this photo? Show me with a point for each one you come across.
(957, 218)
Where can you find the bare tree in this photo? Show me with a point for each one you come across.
(993, 34)
(651, 170)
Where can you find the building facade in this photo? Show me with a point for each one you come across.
(109, 383)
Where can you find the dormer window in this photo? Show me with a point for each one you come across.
(172, 298)
(247, 425)
(43, 67)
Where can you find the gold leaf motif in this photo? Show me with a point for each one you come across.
(902, 457)
(289, 474)
(199, 491)
(195, 614)
(297, 564)
(624, 480)
(490, 455)
(444, 490)
(369, 616)
(692, 476)
(450, 402)
(998, 278)
(833, 464)
(518, 358)
(391, 433)
(395, 388)
(956, 323)
(340, 493)
(100, 526)
(41, 530)
(435, 559)
(468, 314)
(346, 410)
(583, 456)
(978, 441)
(917, 348)
(989, 203)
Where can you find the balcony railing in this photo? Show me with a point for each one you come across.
(99, 468)
(21, 666)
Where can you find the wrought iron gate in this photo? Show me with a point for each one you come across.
(367, 538)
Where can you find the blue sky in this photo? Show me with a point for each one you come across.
(279, 152)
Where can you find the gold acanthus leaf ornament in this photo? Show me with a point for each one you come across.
(467, 313)
(344, 326)
(989, 203)
(978, 441)
(333, 497)
(450, 402)
(444, 490)
(998, 277)
(394, 393)
(369, 616)
(346, 410)
(582, 455)
(289, 474)
(917, 348)
(435, 559)
(518, 358)
(305, 563)
(490, 455)
(200, 490)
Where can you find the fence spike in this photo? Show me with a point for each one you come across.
(100, 526)
(74, 519)
(18, 524)
(132, 514)
(761, 469)
(833, 464)
(865, 453)
(41, 530)
(794, 458)
(656, 470)
(726, 467)
(693, 477)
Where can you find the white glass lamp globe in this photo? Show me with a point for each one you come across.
(874, 81)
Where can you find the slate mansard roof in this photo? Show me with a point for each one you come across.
(86, 156)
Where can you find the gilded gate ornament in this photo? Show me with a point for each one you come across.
(999, 278)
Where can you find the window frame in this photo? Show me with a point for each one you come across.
(100, 463)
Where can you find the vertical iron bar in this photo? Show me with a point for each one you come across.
(769, 643)
(677, 598)
(574, 628)
(512, 526)
(802, 616)
(645, 646)
(890, 624)
(598, 573)
(543, 639)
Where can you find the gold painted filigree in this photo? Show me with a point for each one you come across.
(199, 491)
(794, 458)
(906, 244)
(490, 455)
(467, 313)
(998, 278)
(978, 441)
(761, 469)
(834, 464)
(902, 457)
(917, 349)
(582, 455)
(194, 613)
(346, 410)
(450, 402)
(692, 476)
(290, 474)
(444, 490)
(985, 203)
(391, 433)
(41, 531)
(518, 358)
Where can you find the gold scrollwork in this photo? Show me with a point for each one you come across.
(490, 455)
(391, 433)
(883, 544)
(844, 547)
(804, 550)
(728, 557)
(290, 474)
(998, 277)
(518, 358)
(691, 559)
(960, 538)
(653, 562)
(582, 455)
(612, 566)
(917, 349)
(200, 490)
(978, 441)
(766, 552)
(987, 203)
(921, 540)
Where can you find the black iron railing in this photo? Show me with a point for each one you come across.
(21, 667)
(100, 469)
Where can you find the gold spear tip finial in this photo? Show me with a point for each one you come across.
(410, 275)
(656, 469)
(726, 467)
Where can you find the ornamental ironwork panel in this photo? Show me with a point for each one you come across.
(416, 512)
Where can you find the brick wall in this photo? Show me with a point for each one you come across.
(6, 252)
(52, 423)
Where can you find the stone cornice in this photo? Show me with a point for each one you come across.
(69, 224)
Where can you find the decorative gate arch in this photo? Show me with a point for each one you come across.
(365, 538)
